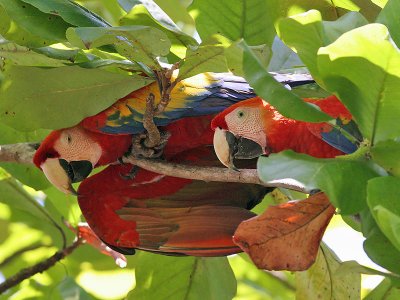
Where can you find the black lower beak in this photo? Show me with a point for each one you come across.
(242, 148)
(76, 170)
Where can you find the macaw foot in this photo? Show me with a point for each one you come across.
(139, 148)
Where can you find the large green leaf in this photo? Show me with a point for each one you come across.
(32, 98)
(363, 68)
(148, 13)
(32, 20)
(69, 11)
(206, 58)
(322, 282)
(386, 154)
(384, 291)
(329, 175)
(287, 103)
(306, 33)
(251, 20)
(382, 251)
(166, 277)
(24, 56)
(137, 43)
(389, 17)
(383, 202)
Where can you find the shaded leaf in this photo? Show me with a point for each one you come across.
(272, 91)
(32, 98)
(137, 43)
(322, 282)
(166, 277)
(70, 290)
(69, 11)
(286, 236)
(148, 13)
(386, 155)
(381, 251)
(363, 68)
(329, 175)
(385, 208)
(49, 27)
(20, 55)
(389, 17)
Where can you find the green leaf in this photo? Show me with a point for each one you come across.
(69, 11)
(137, 43)
(384, 291)
(24, 56)
(33, 98)
(363, 68)
(149, 13)
(383, 202)
(49, 27)
(251, 20)
(381, 250)
(69, 289)
(206, 58)
(389, 17)
(322, 282)
(386, 155)
(306, 33)
(272, 91)
(166, 277)
(329, 175)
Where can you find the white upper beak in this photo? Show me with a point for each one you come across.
(57, 176)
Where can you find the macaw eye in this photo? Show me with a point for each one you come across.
(240, 114)
(69, 139)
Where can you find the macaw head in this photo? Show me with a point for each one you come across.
(69, 155)
(241, 131)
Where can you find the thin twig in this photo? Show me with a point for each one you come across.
(209, 173)
(39, 267)
(17, 253)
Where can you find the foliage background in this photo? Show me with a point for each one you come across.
(350, 48)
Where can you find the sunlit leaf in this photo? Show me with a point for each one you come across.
(385, 290)
(322, 282)
(363, 68)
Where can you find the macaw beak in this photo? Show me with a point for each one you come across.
(229, 147)
(62, 173)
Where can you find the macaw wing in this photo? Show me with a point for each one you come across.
(344, 136)
(166, 214)
(203, 94)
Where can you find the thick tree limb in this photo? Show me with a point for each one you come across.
(19, 153)
(39, 267)
(209, 173)
(23, 153)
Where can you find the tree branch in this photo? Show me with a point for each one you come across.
(23, 153)
(39, 267)
(209, 173)
(19, 153)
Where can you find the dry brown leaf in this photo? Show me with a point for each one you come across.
(286, 236)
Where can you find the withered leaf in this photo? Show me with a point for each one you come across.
(286, 236)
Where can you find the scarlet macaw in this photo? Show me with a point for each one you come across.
(151, 211)
(253, 127)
